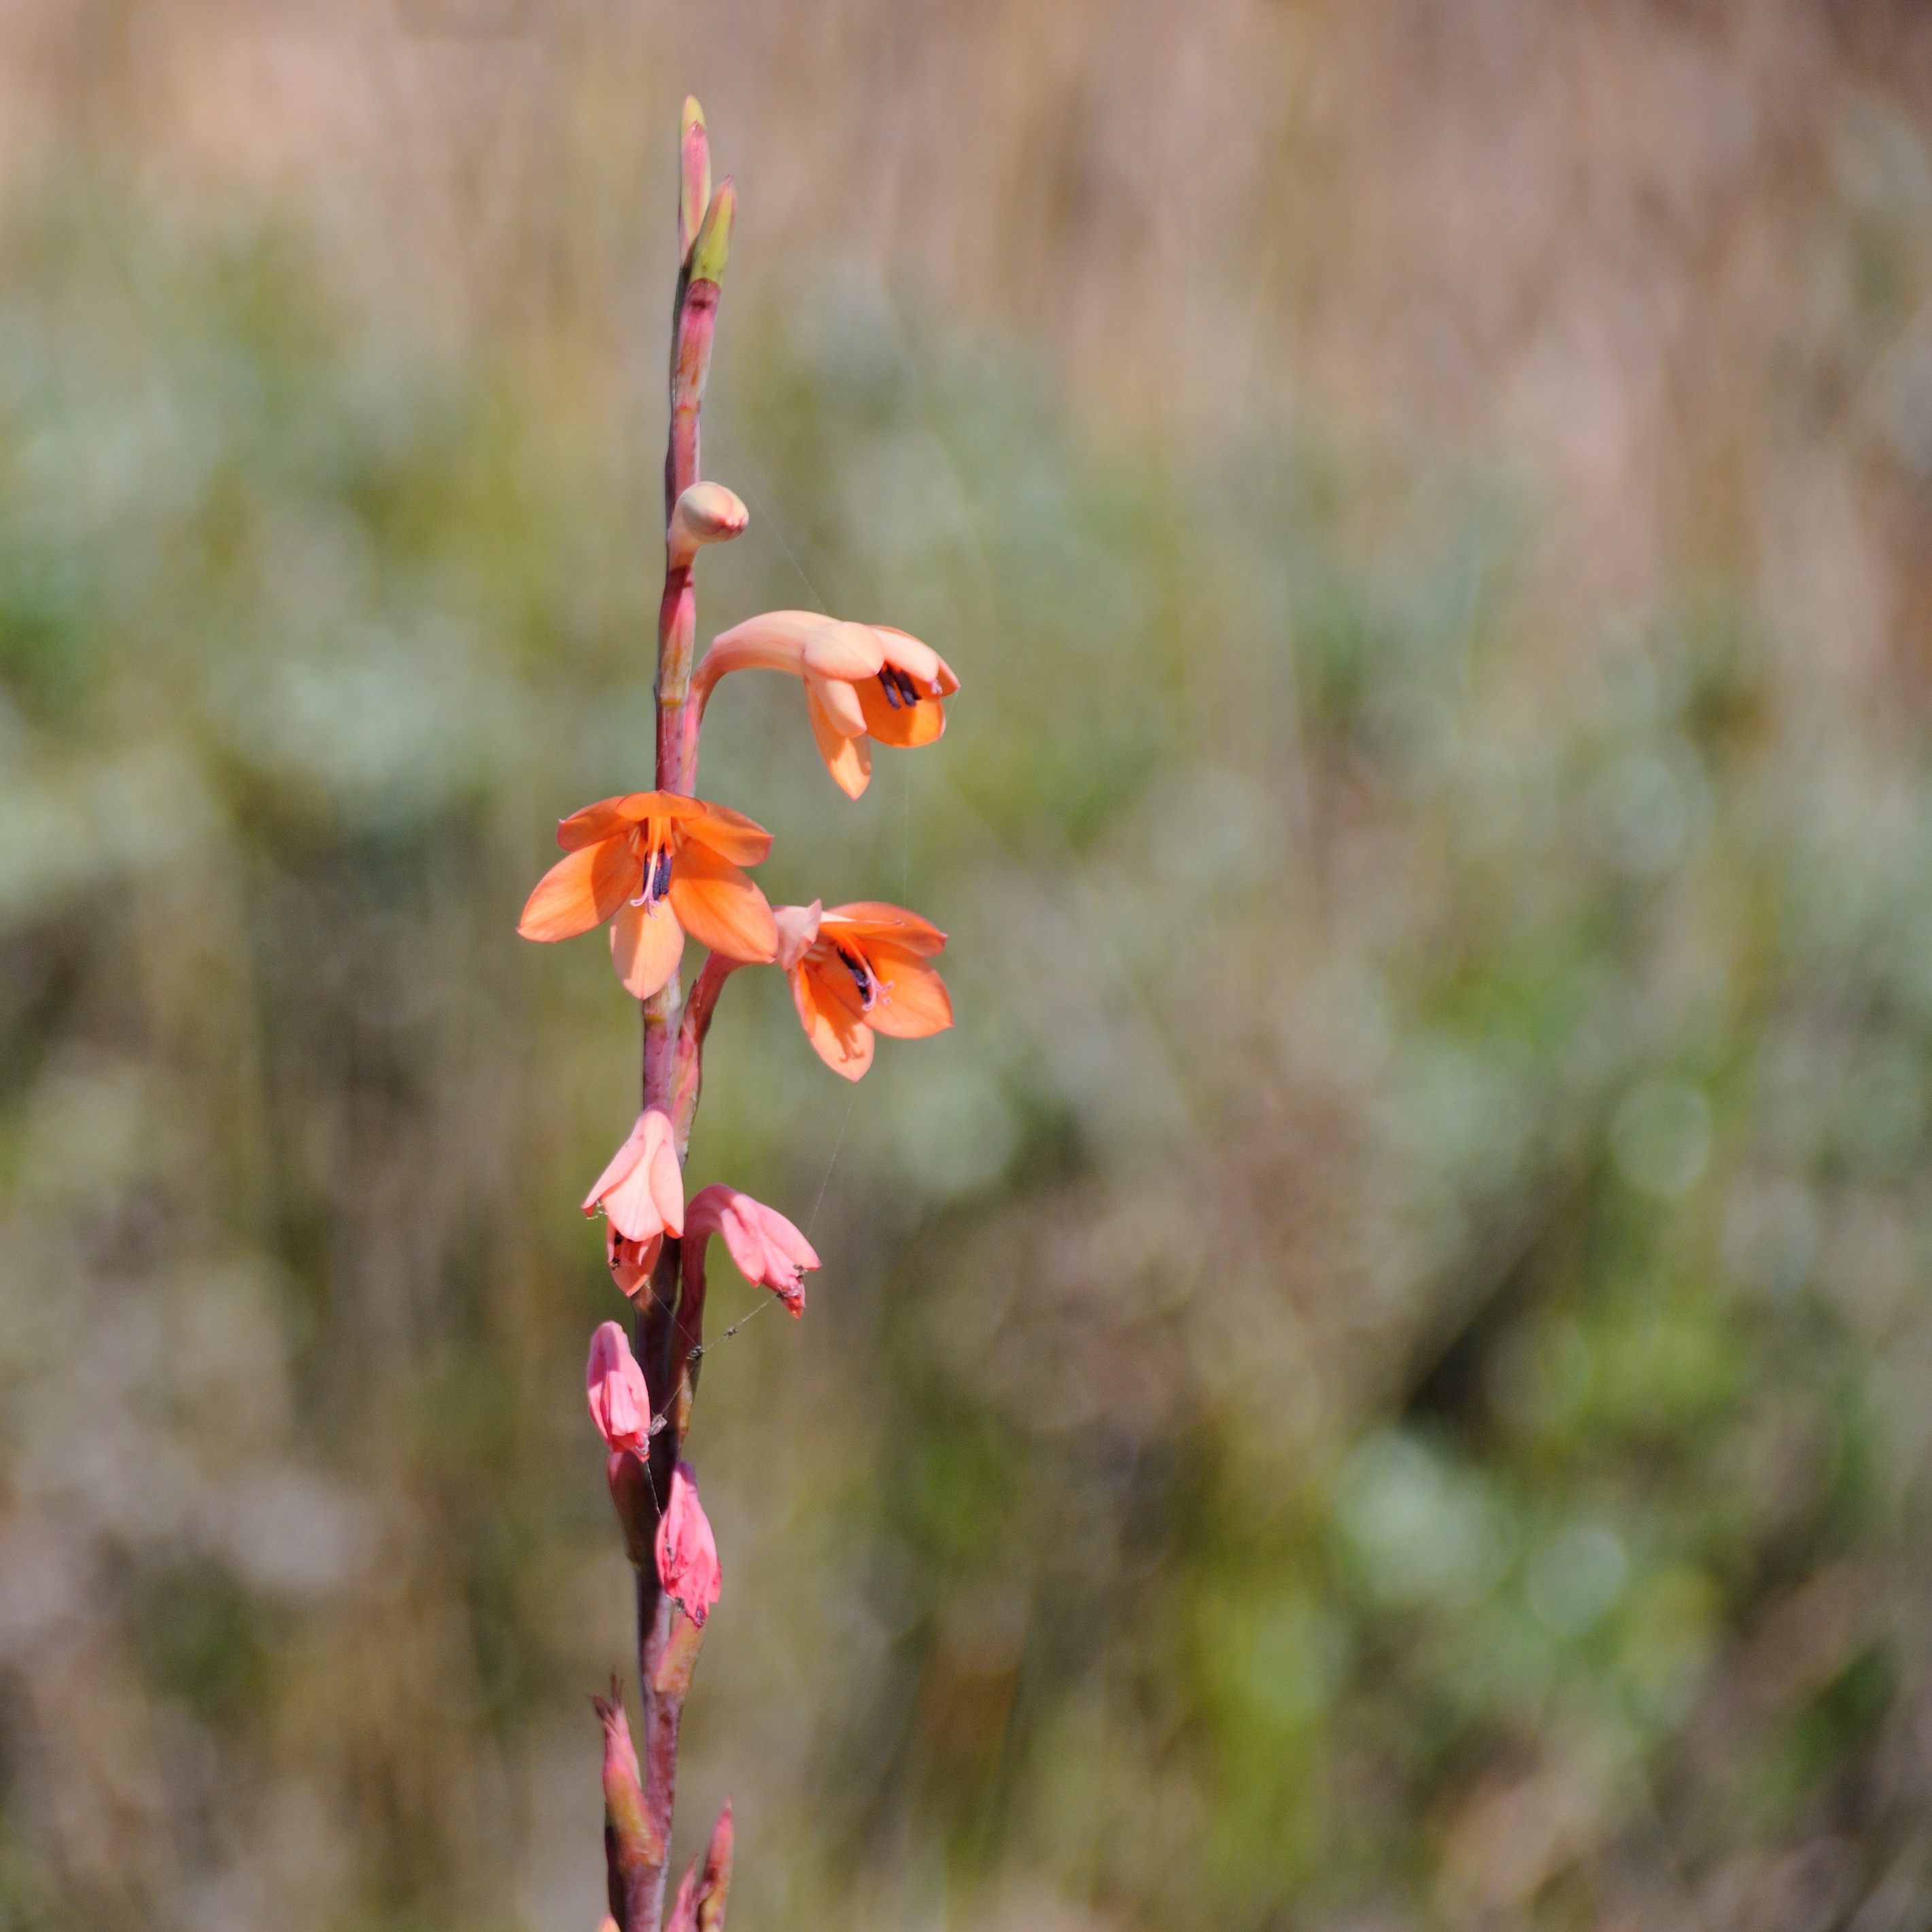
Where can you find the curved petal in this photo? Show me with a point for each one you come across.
(913, 999)
(630, 1262)
(915, 657)
(581, 890)
(646, 947)
(660, 1164)
(845, 651)
(773, 638)
(620, 1163)
(728, 833)
(868, 920)
(781, 1236)
(744, 1238)
(798, 927)
(610, 816)
(719, 907)
(833, 983)
(842, 1040)
(907, 726)
(848, 760)
(839, 701)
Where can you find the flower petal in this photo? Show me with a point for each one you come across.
(785, 1239)
(868, 920)
(744, 1238)
(666, 1177)
(630, 1262)
(848, 760)
(719, 907)
(848, 651)
(728, 833)
(798, 927)
(906, 726)
(918, 660)
(646, 947)
(631, 1207)
(629, 1153)
(581, 890)
(913, 1001)
(839, 701)
(840, 1039)
(833, 981)
(610, 816)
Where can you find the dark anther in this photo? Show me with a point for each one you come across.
(861, 977)
(888, 683)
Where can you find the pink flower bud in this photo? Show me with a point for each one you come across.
(620, 1404)
(706, 513)
(642, 1189)
(767, 1250)
(687, 1555)
(629, 1834)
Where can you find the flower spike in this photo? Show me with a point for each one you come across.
(862, 682)
(657, 865)
(858, 970)
(687, 1555)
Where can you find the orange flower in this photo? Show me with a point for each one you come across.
(862, 682)
(664, 865)
(861, 970)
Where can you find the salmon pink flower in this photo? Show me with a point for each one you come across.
(620, 1404)
(862, 682)
(687, 1555)
(657, 865)
(860, 970)
(642, 1188)
(766, 1249)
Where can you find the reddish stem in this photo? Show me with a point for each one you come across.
(666, 1335)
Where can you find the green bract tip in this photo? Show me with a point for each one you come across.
(712, 247)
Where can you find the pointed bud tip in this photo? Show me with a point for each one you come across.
(692, 115)
(713, 248)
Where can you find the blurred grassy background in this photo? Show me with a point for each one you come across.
(1382, 1376)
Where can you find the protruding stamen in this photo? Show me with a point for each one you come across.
(861, 977)
(900, 692)
(656, 877)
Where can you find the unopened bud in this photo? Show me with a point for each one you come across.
(620, 1403)
(634, 1839)
(694, 175)
(713, 248)
(687, 1554)
(707, 513)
